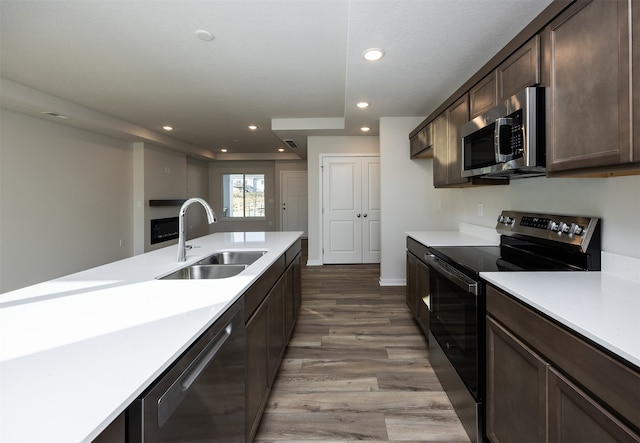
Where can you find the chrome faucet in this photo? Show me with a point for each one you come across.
(211, 216)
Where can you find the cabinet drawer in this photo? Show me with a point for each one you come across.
(599, 373)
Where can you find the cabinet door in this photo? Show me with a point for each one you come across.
(276, 332)
(440, 148)
(412, 283)
(635, 32)
(516, 389)
(576, 417)
(423, 298)
(520, 70)
(482, 96)
(256, 381)
(588, 109)
(457, 115)
(421, 144)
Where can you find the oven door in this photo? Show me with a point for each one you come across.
(456, 308)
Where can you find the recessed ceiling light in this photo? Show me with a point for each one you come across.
(280, 149)
(253, 127)
(362, 105)
(373, 54)
(167, 128)
(365, 129)
(223, 150)
(203, 35)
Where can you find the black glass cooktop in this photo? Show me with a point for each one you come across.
(475, 259)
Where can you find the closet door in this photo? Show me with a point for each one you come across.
(351, 210)
(370, 209)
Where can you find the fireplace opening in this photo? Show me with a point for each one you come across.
(164, 229)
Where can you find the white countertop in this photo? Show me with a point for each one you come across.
(76, 351)
(602, 307)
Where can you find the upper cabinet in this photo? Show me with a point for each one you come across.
(421, 142)
(520, 70)
(447, 162)
(587, 57)
(589, 108)
(482, 96)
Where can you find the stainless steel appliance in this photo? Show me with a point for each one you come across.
(202, 396)
(529, 242)
(508, 140)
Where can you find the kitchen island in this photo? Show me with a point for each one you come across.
(76, 351)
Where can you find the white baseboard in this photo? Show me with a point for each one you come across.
(393, 282)
(314, 263)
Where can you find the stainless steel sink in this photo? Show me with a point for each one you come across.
(232, 258)
(200, 272)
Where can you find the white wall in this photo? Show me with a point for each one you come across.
(616, 200)
(197, 186)
(316, 146)
(409, 201)
(65, 200)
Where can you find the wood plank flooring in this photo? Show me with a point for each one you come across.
(356, 368)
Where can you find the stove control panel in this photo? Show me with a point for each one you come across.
(568, 229)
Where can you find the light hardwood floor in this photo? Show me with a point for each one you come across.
(356, 368)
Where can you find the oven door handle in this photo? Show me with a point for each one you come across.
(452, 274)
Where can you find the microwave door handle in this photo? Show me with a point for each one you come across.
(502, 137)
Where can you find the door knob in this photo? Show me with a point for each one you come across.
(358, 216)
(365, 215)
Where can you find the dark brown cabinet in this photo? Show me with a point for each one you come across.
(412, 284)
(516, 387)
(417, 295)
(447, 162)
(421, 142)
(271, 306)
(275, 329)
(520, 70)
(257, 391)
(114, 433)
(588, 113)
(482, 96)
(546, 383)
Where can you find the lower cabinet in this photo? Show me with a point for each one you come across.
(417, 289)
(542, 382)
(516, 389)
(269, 328)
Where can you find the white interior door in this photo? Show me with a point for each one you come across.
(293, 195)
(351, 209)
(341, 213)
(371, 233)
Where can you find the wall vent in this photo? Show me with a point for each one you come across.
(291, 142)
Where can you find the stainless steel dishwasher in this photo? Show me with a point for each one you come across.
(202, 396)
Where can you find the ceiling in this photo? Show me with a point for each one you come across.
(294, 68)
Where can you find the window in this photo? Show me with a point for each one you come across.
(243, 195)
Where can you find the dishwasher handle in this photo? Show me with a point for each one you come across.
(169, 401)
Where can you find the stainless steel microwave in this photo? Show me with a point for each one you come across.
(508, 140)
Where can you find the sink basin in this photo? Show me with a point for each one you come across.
(200, 272)
(232, 258)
